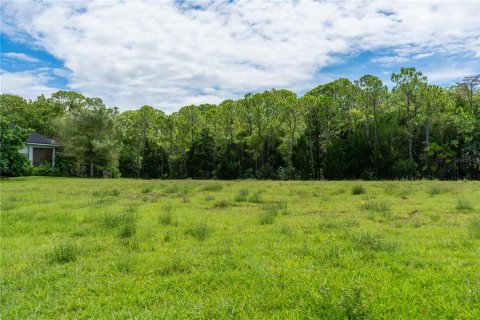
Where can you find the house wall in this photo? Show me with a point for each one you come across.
(28, 151)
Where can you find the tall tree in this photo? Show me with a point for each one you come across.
(407, 88)
(90, 135)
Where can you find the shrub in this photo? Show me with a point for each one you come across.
(464, 205)
(44, 170)
(12, 163)
(200, 231)
(358, 189)
(405, 169)
(242, 195)
(64, 252)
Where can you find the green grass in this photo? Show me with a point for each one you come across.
(157, 249)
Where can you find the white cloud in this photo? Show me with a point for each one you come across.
(446, 74)
(167, 55)
(389, 60)
(20, 56)
(28, 84)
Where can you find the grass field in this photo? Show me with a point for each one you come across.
(86, 248)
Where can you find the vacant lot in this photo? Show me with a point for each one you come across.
(81, 248)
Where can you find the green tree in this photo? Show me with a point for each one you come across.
(12, 140)
(407, 88)
(90, 135)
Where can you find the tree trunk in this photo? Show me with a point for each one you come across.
(91, 169)
(410, 147)
(427, 140)
(375, 123)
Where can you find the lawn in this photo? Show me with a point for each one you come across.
(89, 248)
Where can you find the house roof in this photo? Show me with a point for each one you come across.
(36, 138)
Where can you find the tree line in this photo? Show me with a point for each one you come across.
(338, 130)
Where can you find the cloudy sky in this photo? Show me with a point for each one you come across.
(173, 53)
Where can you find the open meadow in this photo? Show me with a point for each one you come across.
(166, 249)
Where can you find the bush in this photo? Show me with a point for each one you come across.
(112, 171)
(45, 170)
(405, 169)
(358, 189)
(12, 163)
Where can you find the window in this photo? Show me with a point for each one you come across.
(42, 155)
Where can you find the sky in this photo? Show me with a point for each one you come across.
(169, 54)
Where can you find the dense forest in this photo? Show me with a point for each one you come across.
(338, 130)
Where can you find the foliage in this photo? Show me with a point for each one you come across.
(12, 162)
(90, 135)
(338, 130)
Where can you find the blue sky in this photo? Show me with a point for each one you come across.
(169, 54)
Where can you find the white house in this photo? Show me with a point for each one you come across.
(40, 149)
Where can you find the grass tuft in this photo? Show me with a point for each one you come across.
(267, 218)
(256, 197)
(369, 241)
(375, 206)
(358, 189)
(64, 252)
(199, 231)
(220, 204)
(166, 217)
(474, 227)
(147, 189)
(275, 208)
(436, 190)
(464, 205)
(213, 187)
(242, 195)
